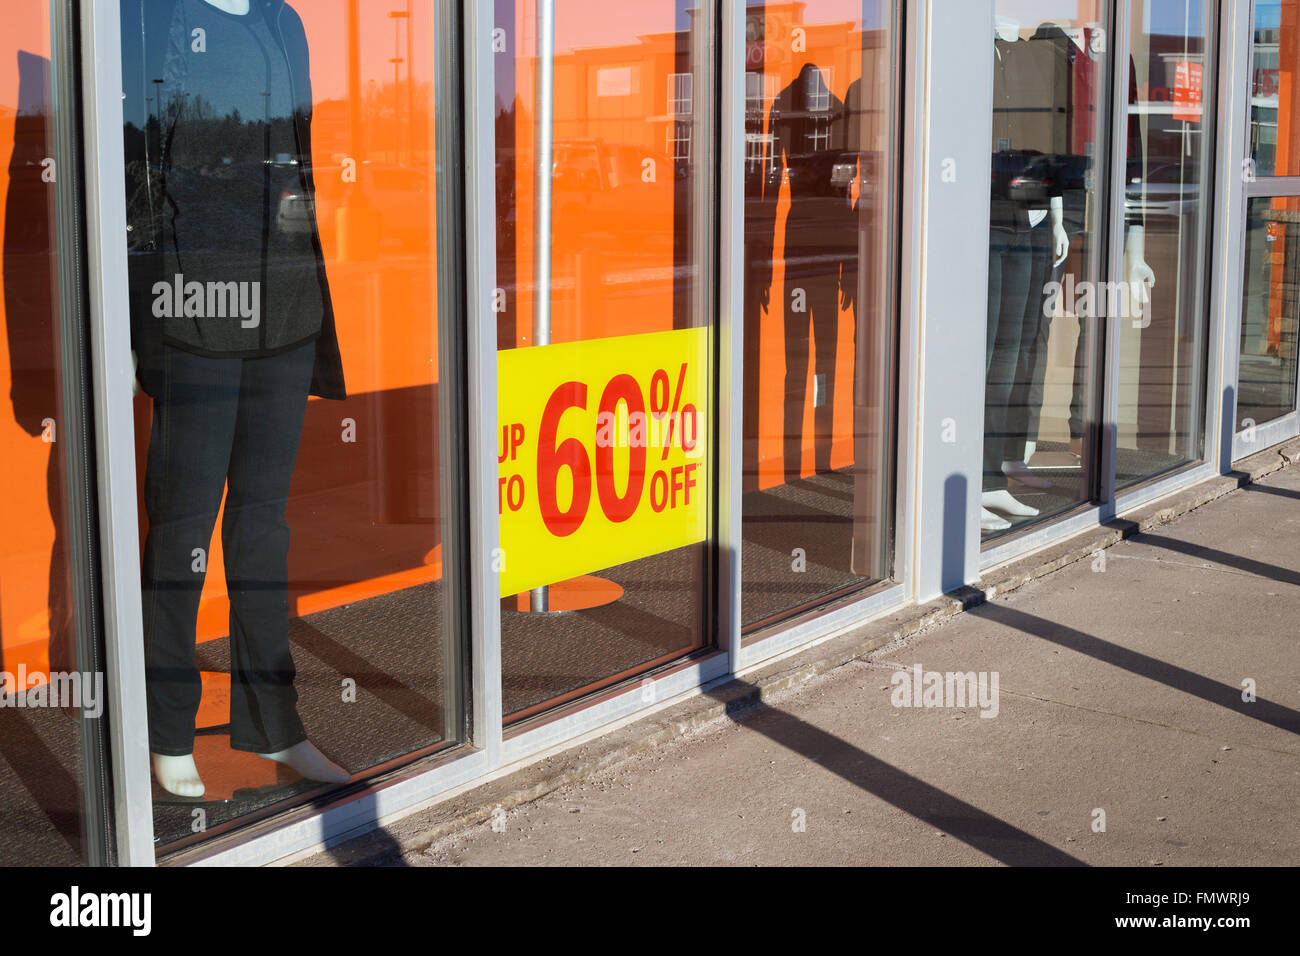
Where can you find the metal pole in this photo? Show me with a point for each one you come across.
(544, 144)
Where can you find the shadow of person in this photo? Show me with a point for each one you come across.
(38, 751)
(30, 300)
(805, 124)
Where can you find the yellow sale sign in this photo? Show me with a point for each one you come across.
(603, 454)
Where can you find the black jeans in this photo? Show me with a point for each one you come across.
(1020, 265)
(221, 423)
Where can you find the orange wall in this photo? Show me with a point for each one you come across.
(27, 370)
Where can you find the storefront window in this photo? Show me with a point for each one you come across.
(1266, 376)
(282, 176)
(604, 160)
(1164, 322)
(1051, 82)
(1275, 56)
(50, 694)
(821, 140)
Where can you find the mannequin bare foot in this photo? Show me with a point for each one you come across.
(310, 762)
(178, 775)
(1004, 502)
(991, 522)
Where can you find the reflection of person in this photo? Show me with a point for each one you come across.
(232, 320)
(30, 324)
(820, 238)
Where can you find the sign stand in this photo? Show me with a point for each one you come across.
(586, 592)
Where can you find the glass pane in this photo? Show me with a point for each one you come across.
(1272, 94)
(1163, 320)
(820, 127)
(1051, 81)
(1266, 377)
(604, 333)
(41, 772)
(284, 276)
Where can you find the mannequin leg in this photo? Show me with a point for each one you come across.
(1025, 403)
(193, 426)
(255, 535)
(1038, 366)
(1009, 276)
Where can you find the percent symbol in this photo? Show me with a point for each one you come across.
(659, 388)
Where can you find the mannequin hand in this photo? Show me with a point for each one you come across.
(1141, 280)
(1062, 241)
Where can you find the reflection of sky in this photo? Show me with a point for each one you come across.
(1268, 13)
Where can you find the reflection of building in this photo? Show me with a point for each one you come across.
(638, 94)
(778, 42)
(1264, 85)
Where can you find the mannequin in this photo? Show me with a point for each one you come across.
(230, 387)
(1018, 470)
(1021, 247)
(1045, 75)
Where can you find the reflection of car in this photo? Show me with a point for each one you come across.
(398, 195)
(867, 166)
(1007, 165)
(1163, 191)
(811, 174)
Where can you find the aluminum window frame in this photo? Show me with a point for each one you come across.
(1239, 443)
(1221, 292)
(830, 615)
(359, 808)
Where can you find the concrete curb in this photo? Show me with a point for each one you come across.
(733, 697)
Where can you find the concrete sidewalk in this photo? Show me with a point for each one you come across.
(1120, 682)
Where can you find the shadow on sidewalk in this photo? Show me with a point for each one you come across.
(1171, 675)
(1271, 490)
(971, 825)
(1273, 572)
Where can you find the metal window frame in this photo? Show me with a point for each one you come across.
(112, 375)
(838, 612)
(1222, 294)
(1234, 443)
(356, 810)
(945, 411)
(1215, 218)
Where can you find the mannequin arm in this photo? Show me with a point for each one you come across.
(1060, 238)
(1141, 278)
